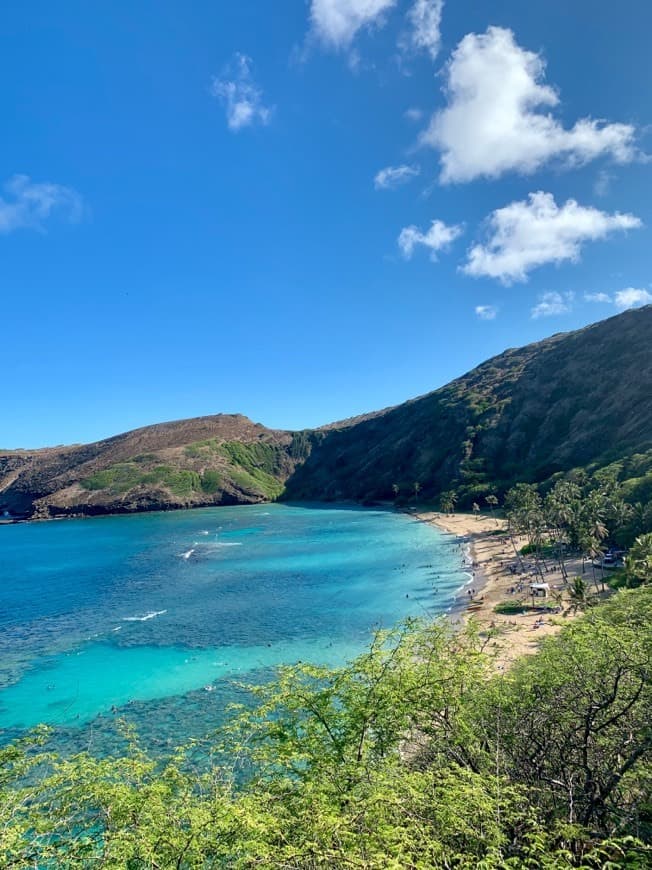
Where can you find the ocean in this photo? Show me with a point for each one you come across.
(158, 618)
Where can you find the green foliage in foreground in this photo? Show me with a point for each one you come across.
(415, 756)
(638, 562)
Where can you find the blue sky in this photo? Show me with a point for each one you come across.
(194, 215)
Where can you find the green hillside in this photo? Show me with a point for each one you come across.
(580, 400)
(576, 400)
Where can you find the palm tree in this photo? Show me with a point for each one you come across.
(598, 533)
(639, 516)
(578, 594)
(590, 527)
(561, 507)
(638, 562)
(621, 513)
(558, 599)
(492, 501)
(590, 545)
(523, 508)
(447, 502)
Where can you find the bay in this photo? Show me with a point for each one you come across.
(154, 617)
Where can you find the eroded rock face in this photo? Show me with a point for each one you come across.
(579, 399)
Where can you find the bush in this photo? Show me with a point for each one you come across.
(415, 755)
(211, 481)
(509, 608)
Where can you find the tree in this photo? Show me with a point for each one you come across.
(492, 501)
(638, 562)
(415, 755)
(578, 595)
(583, 742)
(591, 529)
(523, 509)
(561, 507)
(447, 502)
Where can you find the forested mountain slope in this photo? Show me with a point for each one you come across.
(576, 400)
(572, 400)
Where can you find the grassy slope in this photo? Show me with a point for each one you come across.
(225, 459)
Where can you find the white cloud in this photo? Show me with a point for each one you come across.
(631, 298)
(393, 176)
(498, 119)
(413, 114)
(240, 95)
(437, 238)
(597, 297)
(603, 182)
(29, 204)
(530, 233)
(486, 312)
(425, 21)
(336, 22)
(551, 304)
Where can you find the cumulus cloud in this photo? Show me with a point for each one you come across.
(632, 298)
(552, 303)
(393, 176)
(597, 297)
(240, 95)
(438, 238)
(530, 233)
(424, 18)
(498, 115)
(486, 312)
(336, 22)
(28, 204)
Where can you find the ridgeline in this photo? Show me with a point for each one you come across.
(579, 400)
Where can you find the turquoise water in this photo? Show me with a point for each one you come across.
(153, 617)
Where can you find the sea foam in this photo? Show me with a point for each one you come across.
(151, 615)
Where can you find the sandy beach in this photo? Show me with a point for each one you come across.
(509, 636)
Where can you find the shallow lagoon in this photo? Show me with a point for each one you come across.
(154, 616)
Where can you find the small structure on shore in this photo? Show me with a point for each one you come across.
(539, 590)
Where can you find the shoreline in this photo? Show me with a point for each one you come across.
(379, 505)
(509, 636)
